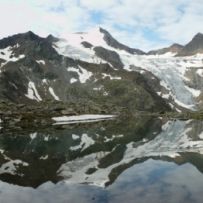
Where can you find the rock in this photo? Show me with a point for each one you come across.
(87, 45)
(58, 108)
(16, 120)
(21, 105)
(111, 56)
(68, 112)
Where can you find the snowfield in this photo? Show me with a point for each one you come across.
(81, 118)
(172, 73)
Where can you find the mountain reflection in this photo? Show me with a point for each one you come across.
(96, 153)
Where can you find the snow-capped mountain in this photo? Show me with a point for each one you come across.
(94, 66)
(180, 77)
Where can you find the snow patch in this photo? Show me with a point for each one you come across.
(11, 166)
(98, 88)
(81, 118)
(200, 72)
(191, 106)
(73, 80)
(7, 54)
(83, 74)
(41, 62)
(44, 157)
(111, 77)
(113, 137)
(53, 94)
(194, 92)
(75, 137)
(46, 138)
(163, 84)
(201, 135)
(33, 135)
(86, 142)
(105, 93)
(32, 92)
(44, 81)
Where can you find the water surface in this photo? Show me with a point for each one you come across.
(150, 159)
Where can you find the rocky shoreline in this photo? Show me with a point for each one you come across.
(40, 115)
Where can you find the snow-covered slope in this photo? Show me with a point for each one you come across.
(81, 45)
(173, 72)
(73, 46)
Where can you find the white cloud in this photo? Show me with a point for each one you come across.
(17, 17)
(142, 24)
(187, 26)
(41, 17)
(98, 4)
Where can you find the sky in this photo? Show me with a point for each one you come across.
(143, 24)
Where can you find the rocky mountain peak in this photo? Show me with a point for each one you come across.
(51, 38)
(195, 46)
(198, 36)
(19, 39)
(176, 45)
(111, 41)
(29, 36)
(174, 48)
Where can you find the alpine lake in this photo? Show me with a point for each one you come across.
(138, 160)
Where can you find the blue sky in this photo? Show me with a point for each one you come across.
(141, 24)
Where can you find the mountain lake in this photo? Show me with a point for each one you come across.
(116, 160)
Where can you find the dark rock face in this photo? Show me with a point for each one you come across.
(19, 38)
(111, 56)
(51, 39)
(175, 48)
(30, 45)
(87, 45)
(117, 45)
(193, 47)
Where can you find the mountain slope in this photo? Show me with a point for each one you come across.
(117, 45)
(95, 67)
(34, 70)
(174, 49)
(195, 46)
